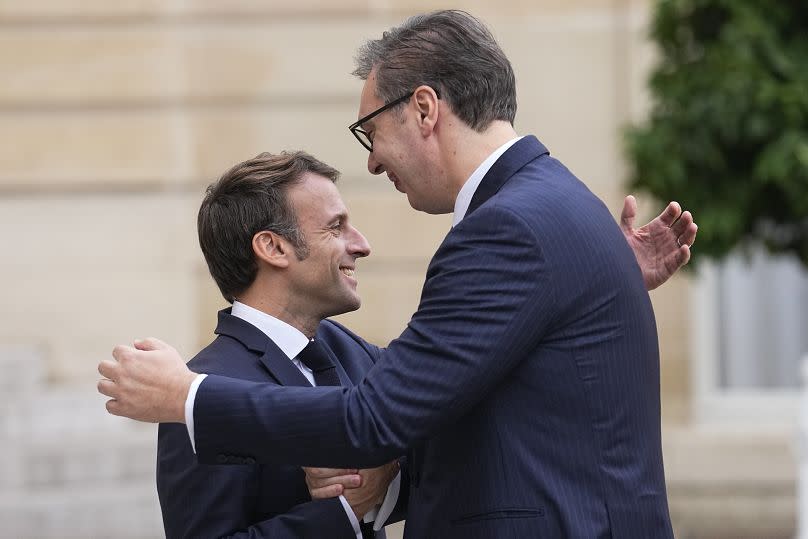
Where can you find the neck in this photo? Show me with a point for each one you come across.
(469, 148)
(263, 299)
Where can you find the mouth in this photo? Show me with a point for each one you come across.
(393, 178)
(347, 271)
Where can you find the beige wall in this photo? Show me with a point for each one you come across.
(115, 115)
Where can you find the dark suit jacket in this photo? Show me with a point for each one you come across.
(250, 499)
(527, 381)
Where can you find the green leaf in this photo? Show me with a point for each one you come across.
(727, 134)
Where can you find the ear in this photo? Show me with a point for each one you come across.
(426, 101)
(271, 249)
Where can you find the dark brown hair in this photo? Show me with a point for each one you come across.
(247, 199)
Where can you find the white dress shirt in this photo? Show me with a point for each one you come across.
(470, 187)
(291, 341)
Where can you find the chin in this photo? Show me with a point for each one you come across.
(428, 206)
(354, 305)
(345, 306)
(416, 204)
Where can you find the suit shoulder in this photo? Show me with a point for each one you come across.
(504, 222)
(224, 356)
(332, 327)
(337, 336)
(550, 200)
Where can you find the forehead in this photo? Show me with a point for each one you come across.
(368, 101)
(315, 197)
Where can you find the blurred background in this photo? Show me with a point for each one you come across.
(114, 116)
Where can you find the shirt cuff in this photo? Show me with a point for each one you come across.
(189, 408)
(351, 516)
(388, 504)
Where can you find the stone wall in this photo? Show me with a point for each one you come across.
(113, 118)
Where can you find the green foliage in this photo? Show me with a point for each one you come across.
(728, 132)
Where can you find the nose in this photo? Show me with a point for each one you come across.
(374, 167)
(359, 246)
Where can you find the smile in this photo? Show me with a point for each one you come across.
(347, 271)
(393, 178)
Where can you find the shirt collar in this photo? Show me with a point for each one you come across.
(470, 187)
(289, 339)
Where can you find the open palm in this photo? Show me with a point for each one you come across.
(661, 246)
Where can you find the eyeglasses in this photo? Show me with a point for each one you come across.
(361, 135)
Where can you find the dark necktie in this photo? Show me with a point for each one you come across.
(367, 530)
(316, 358)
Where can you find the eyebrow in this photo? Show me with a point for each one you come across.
(338, 216)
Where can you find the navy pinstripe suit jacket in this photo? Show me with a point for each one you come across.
(527, 382)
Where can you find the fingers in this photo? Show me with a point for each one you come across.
(684, 255)
(331, 491)
(108, 369)
(114, 407)
(329, 472)
(151, 343)
(678, 259)
(347, 481)
(108, 388)
(331, 482)
(120, 352)
(670, 214)
(681, 224)
(629, 212)
(684, 229)
(147, 383)
(688, 236)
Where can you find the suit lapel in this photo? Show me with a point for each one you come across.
(517, 156)
(275, 361)
(521, 153)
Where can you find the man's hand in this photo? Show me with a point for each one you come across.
(330, 482)
(663, 245)
(373, 489)
(362, 494)
(149, 382)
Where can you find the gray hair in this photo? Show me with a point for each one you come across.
(450, 51)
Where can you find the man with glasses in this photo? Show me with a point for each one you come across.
(357, 127)
(526, 386)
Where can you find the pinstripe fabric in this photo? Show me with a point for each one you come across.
(528, 378)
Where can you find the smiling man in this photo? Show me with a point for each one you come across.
(279, 243)
(526, 385)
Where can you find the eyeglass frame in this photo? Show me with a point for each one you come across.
(356, 130)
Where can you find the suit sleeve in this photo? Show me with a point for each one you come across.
(487, 301)
(216, 501)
